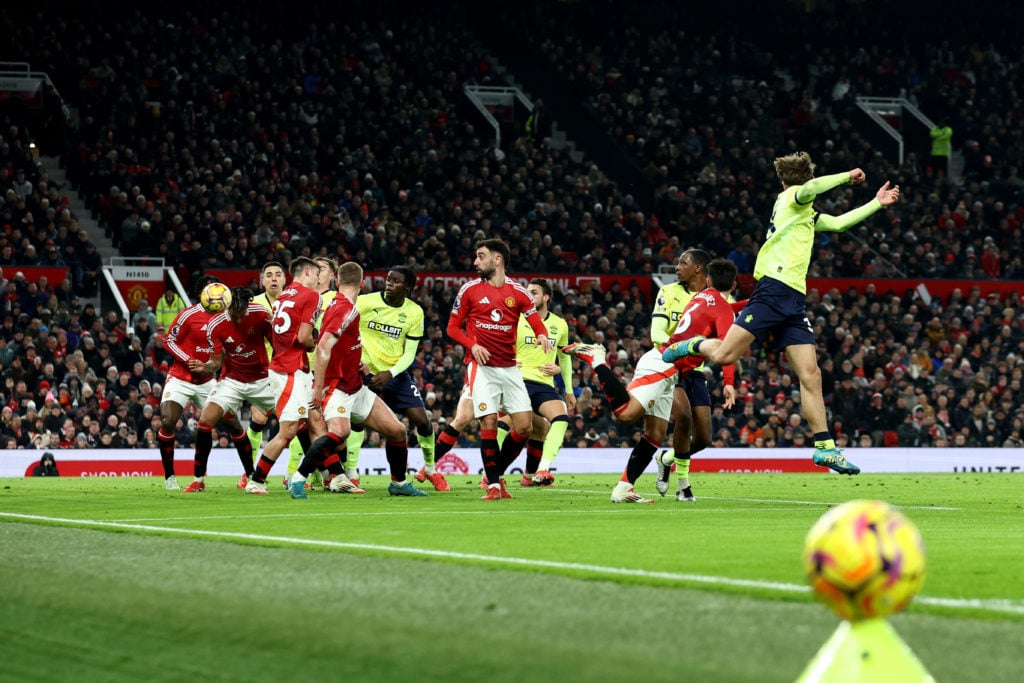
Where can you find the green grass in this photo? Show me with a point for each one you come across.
(119, 580)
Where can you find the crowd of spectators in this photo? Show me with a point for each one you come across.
(895, 372)
(37, 226)
(213, 140)
(313, 135)
(704, 105)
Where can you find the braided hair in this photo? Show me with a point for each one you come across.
(240, 298)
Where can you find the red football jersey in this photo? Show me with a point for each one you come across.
(187, 339)
(243, 344)
(295, 305)
(491, 316)
(708, 314)
(342, 320)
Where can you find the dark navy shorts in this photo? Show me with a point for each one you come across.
(541, 393)
(400, 394)
(776, 313)
(695, 384)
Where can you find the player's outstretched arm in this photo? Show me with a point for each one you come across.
(886, 196)
(815, 186)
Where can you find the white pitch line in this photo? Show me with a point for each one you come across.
(774, 500)
(619, 510)
(821, 502)
(1007, 606)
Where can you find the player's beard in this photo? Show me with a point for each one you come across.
(486, 273)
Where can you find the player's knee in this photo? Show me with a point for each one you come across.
(723, 356)
(557, 420)
(630, 414)
(812, 375)
(395, 433)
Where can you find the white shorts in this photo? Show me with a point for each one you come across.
(229, 394)
(293, 395)
(355, 407)
(177, 390)
(654, 380)
(497, 389)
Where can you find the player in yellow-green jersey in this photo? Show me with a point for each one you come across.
(551, 403)
(691, 399)
(778, 304)
(391, 328)
(273, 280)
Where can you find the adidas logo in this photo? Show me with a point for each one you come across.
(485, 300)
(230, 340)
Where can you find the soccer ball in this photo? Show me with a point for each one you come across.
(864, 560)
(215, 297)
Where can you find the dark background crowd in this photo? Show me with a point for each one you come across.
(215, 139)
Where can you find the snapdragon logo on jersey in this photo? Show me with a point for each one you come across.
(451, 464)
(496, 316)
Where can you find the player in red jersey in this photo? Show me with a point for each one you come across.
(338, 387)
(294, 335)
(238, 351)
(650, 393)
(187, 340)
(484, 320)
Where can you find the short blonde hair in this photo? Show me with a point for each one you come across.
(350, 273)
(795, 169)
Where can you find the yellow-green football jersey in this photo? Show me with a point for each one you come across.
(385, 328)
(786, 253)
(531, 355)
(672, 300)
(325, 300)
(264, 300)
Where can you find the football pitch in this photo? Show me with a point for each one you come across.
(120, 580)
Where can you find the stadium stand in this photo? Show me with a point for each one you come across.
(216, 142)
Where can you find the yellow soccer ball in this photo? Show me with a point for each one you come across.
(864, 560)
(215, 297)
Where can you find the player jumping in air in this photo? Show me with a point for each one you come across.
(778, 304)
